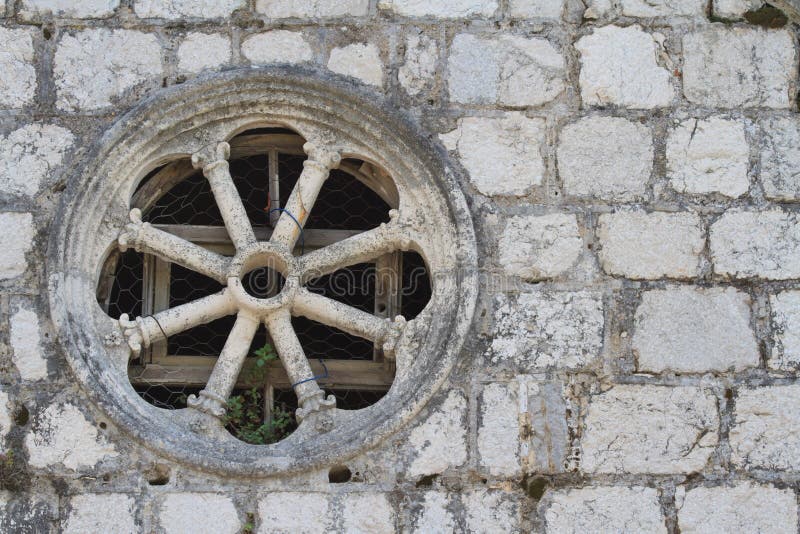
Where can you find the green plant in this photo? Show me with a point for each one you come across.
(245, 415)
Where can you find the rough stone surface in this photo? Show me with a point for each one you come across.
(538, 330)
(420, 63)
(734, 9)
(498, 430)
(502, 155)
(708, 156)
(739, 67)
(619, 67)
(536, 247)
(605, 509)
(766, 431)
(314, 9)
(360, 60)
(15, 245)
(104, 57)
(450, 9)
(62, 436)
(780, 158)
(491, 511)
(18, 82)
(546, 9)
(756, 244)
(30, 155)
(505, 69)
(5, 416)
(85, 9)
(694, 330)
(277, 46)
(102, 512)
(177, 9)
(745, 507)
(201, 51)
(644, 245)
(278, 512)
(199, 513)
(441, 441)
(786, 325)
(649, 429)
(367, 513)
(434, 515)
(26, 349)
(605, 157)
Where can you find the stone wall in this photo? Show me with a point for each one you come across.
(632, 179)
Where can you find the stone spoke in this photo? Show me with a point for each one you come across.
(388, 237)
(144, 331)
(383, 332)
(316, 170)
(214, 397)
(213, 160)
(310, 397)
(144, 237)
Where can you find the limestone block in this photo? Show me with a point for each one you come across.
(101, 512)
(420, 63)
(649, 429)
(317, 9)
(6, 416)
(491, 511)
(278, 512)
(435, 515)
(85, 9)
(15, 242)
(780, 158)
(734, 9)
(739, 67)
(708, 156)
(277, 46)
(608, 158)
(199, 513)
(359, 60)
(756, 244)
(18, 82)
(179, 9)
(201, 51)
(535, 247)
(604, 509)
(504, 69)
(502, 155)
(367, 513)
(534, 9)
(440, 441)
(619, 67)
(786, 330)
(641, 245)
(30, 155)
(447, 9)
(26, 349)
(694, 330)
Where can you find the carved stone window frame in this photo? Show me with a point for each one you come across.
(339, 118)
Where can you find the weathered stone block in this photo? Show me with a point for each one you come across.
(608, 158)
(766, 431)
(418, 71)
(278, 512)
(745, 507)
(367, 513)
(734, 9)
(649, 429)
(85, 9)
(179, 9)
(645, 8)
(201, 51)
(535, 9)
(536, 330)
(502, 155)
(435, 514)
(739, 67)
(535, 247)
(644, 245)
(492, 511)
(504, 69)
(449, 9)
(359, 60)
(62, 436)
(6, 416)
(101, 512)
(780, 158)
(786, 329)
(619, 67)
(440, 442)
(18, 82)
(103, 56)
(694, 330)
(498, 429)
(280, 9)
(604, 509)
(29, 157)
(26, 349)
(15, 242)
(199, 513)
(756, 244)
(708, 156)
(277, 46)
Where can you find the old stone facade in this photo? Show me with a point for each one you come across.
(617, 178)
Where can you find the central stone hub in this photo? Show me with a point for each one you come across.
(261, 278)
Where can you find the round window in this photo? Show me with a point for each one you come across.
(262, 271)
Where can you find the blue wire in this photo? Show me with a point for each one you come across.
(317, 377)
(300, 226)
